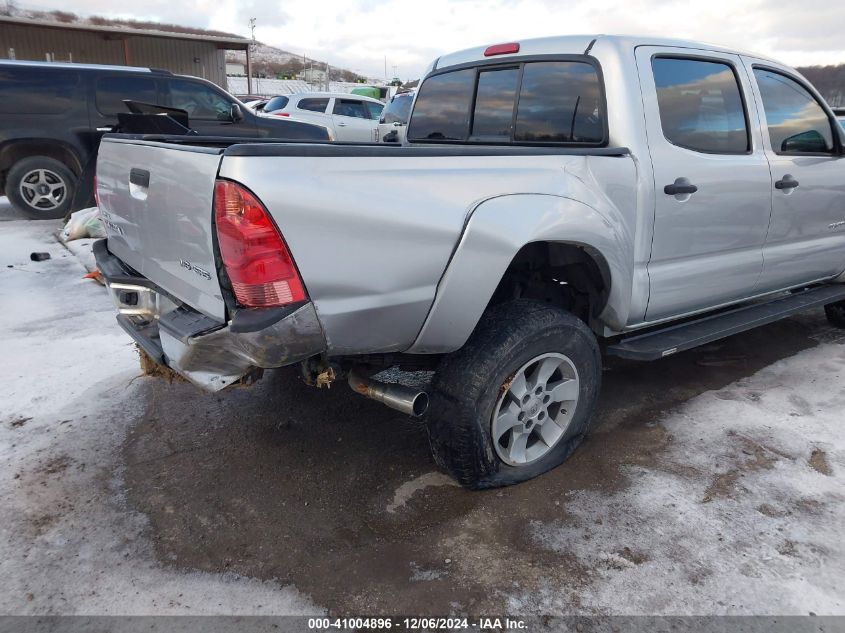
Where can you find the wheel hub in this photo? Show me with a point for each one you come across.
(534, 412)
(43, 189)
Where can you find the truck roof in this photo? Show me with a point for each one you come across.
(578, 44)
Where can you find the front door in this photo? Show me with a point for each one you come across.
(711, 178)
(806, 239)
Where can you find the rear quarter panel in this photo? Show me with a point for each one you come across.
(372, 236)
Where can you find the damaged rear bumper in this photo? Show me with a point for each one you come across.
(207, 352)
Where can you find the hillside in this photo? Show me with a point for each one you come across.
(828, 80)
(267, 60)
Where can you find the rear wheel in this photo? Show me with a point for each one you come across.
(41, 187)
(835, 313)
(517, 399)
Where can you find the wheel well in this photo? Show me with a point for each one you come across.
(571, 276)
(14, 152)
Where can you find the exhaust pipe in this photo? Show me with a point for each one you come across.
(408, 400)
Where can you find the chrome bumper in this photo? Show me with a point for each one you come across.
(209, 353)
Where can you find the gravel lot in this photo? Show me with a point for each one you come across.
(713, 483)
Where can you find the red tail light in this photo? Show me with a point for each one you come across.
(501, 49)
(282, 113)
(256, 257)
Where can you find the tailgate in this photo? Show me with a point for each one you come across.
(157, 204)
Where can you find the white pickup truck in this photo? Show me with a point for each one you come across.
(561, 199)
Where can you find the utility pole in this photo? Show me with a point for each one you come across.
(385, 69)
(249, 58)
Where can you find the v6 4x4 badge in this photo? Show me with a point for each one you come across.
(200, 271)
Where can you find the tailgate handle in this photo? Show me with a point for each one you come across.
(139, 183)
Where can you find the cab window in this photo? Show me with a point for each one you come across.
(797, 123)
(351, 108)
(199, 101)
(701, 106)
(373, 109)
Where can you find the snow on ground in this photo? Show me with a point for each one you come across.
(744, 509)
(68, 544)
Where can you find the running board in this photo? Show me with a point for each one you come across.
(678, 338)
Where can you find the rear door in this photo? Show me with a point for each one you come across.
(806, 240)
(713, 189)
(353, 120)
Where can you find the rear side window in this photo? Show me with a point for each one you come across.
(35, 91)
(276, 103)
(559, 102)
(111, 91)
(797, 123)
(313, 105)
(701, 105)
(443, 107)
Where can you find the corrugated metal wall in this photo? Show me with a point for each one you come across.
(35, 43)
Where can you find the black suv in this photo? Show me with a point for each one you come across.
(53, 115)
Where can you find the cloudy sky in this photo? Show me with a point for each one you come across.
(358, 34)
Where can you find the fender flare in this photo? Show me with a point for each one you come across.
(494, 234)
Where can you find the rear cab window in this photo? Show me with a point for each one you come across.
(701, 106)
(516, 102)
(313, 105)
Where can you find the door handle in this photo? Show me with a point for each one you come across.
(342, 124)
(787, 182)
(680, 187)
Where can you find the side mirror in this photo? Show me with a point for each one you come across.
(810, 141)
(235, 113)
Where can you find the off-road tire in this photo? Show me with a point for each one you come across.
(835, 313)
(56, 170)
(468, 383)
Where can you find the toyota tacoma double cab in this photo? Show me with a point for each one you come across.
(561, 199)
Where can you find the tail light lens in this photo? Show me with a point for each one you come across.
(282, 113)
(256, 257)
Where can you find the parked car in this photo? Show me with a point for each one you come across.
(351, 118)
(562, 198)
(394, 119)
(53, 115)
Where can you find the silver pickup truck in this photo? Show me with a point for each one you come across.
(557, 199)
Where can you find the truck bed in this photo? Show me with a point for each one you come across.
(371, 227)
